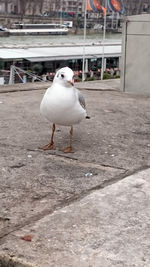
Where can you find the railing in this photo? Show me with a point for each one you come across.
(22, 74)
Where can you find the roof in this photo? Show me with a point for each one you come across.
(37, 54)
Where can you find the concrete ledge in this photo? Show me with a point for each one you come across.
(11, 261)
(109, 85)
(24, 87)
(109, 227)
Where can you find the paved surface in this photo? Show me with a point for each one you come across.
(89, 208)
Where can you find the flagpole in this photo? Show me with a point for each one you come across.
(84, 39)
(104, 37)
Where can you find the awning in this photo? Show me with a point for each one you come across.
(43, 54)
(46, 59)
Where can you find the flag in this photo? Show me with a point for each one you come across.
(88, 7)
(116, 6)
(94, 5)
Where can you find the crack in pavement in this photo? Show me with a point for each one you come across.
(66, 159)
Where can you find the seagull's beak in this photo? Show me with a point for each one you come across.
(70, 82)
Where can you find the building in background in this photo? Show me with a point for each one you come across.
(64, 7)
(135, 7)
(39, 7)
(8, 6)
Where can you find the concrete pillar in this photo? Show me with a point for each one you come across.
(136, 54)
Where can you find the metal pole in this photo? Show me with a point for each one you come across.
(104, 37)
(61, 2)
(112, 20)
(12, 75)
(84, 39)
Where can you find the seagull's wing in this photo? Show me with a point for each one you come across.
(81, 99)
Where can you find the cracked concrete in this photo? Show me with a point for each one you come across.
(111, 150)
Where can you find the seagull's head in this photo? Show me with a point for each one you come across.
(65, 77)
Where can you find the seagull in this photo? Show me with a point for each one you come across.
(63, 104)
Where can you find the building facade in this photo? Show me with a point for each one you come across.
(63, 5)
(8, 6)
(72, 7)
(135, 7)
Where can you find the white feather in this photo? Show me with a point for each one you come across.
(60, 104)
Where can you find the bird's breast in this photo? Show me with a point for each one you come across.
(63, 99)
(61, 107)
(62, 103)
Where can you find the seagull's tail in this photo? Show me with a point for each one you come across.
(88, 117)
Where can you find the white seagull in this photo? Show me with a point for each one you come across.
(63, 104)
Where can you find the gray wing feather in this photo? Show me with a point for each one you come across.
(81, 99)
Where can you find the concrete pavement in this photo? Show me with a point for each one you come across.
(90, 208)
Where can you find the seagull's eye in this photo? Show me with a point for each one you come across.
(62, 75)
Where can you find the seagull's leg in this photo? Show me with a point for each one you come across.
(50, 146)
(69, 149)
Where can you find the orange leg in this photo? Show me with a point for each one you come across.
(69, 149)
(50, 146)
